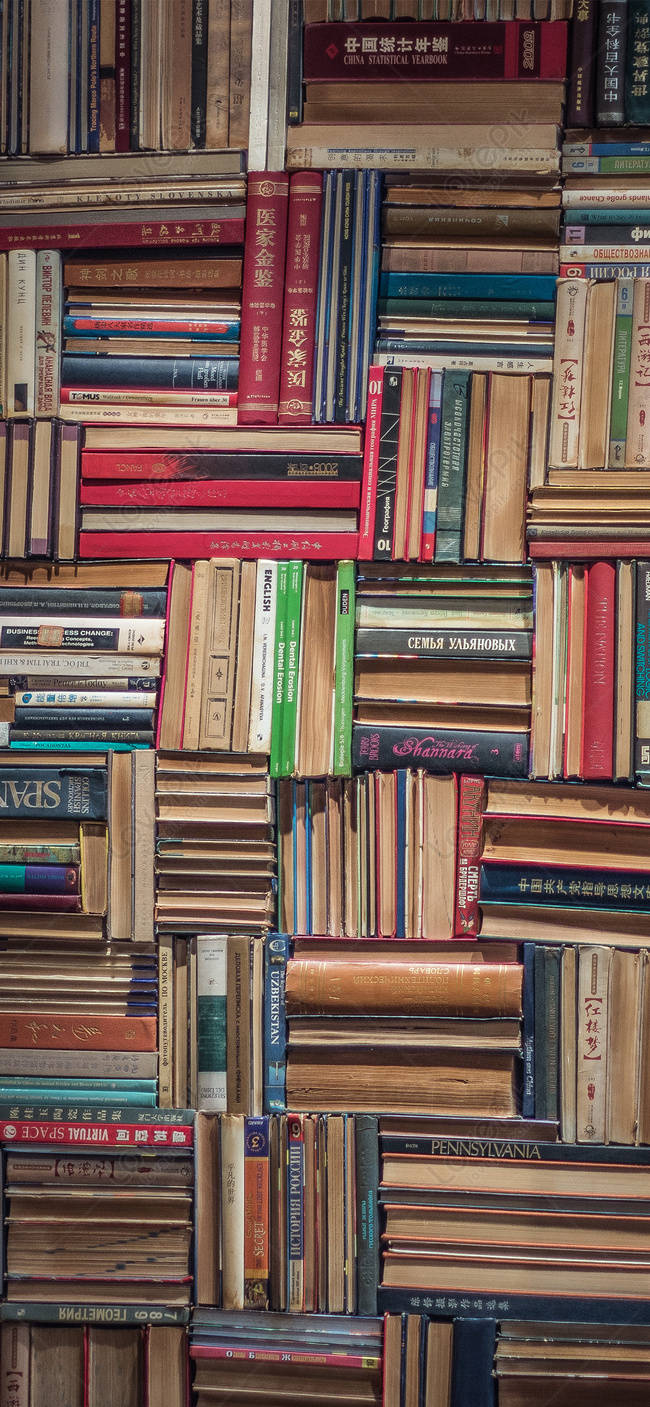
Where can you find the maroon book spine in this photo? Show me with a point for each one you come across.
(262, 298)
(505, 50)
(92, 232)
(471, 799)
(300, 293)
(230, 493)
(123, 76)
(599, 682)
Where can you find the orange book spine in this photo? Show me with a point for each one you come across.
(25, 1030)
(432, 988)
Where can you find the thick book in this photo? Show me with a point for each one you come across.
(311, 546)
(512, 49)
(262, 298)
(571, 886)
(159, 466)
(301, 284)
(366, 1127)
(462, 643)
(67, 1133)
(276, 953)
(442, 750)
(75, 793)
(599, 682)
(613, 23)
(174, 373)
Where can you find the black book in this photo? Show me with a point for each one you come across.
(168, 373)
(386, 747)
(610, 64)
(76, 793)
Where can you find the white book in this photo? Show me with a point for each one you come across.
(259, 735)
(258, 122)
(90, 664)
(139, 634)
(77, 698)
(571, 310)
(232, 1210)
(211, 1010)
(21, 331)
(443, 361)
(594, 965)
(48, 89)
(277, 119)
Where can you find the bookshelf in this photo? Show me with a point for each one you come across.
(324, 734)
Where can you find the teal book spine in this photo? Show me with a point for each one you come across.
(620, 372)
(211, 977)
(452, 472)
(36, 1097)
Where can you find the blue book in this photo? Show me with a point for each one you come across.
(411, 285)
(100, 327)
(552, 885)
(472, 1379)
(59, 745)
(93, 75)
(606, 149)
(528, 1033)
(55, 1083)
(374, 181)
(276, 954)
(87, 1098)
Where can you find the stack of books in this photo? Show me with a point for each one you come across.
(427, 1068)
(419, 699)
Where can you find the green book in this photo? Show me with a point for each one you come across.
(279, 664)
(343, 670)
(621, 372)
(291, 673)
(454, 421)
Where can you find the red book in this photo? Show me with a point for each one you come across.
(256, 1213)
(300, 294)
(599, 681)
(86, 231)
(96, 1135)
(24, 1030)
(227, 493)
(122, 75)
(308, 546)
(221, 465)
(276, 1355)
(471, 51)
(370, 465)
(471, 798)
(262, 298)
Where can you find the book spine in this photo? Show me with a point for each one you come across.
(581, 88)
(223, 493)
(610, 62)
(138, 636)
(279, 670)
(312, 546)
(341, 348)
(509, 51)
(524, 1307)
(567, 374)
(637, 446)
(438, 643)
(38, 879)
(28, 1312)
(123, 76)
(593, 1018)
(343, 670)
(552, 957)
(262, 298)
(474, 1345)
(642, 667)
(439, 750)
(41, 1063)
(222, 466)
(276, 955)
(470, 808)
(53, 792)
(457, 286)
(599, 684)
(454, 424)
(198, 105)
(528, 1092)
(21, 330)
(295, 1213)
(14, 1364)
(170, 373)
(62, 1132)
(269, 1355)
(64, 1033)
(621, 373)
(300, 296)
(387, 465)
(262, 681)
(93, 76)
(295, 65)
(87, 664)
(291, 673)
(570, 886)
(367, 1181)
(86, 232)
(370, 464)
(211, 1022)
(637, 79)
(48, 332)
(256, 1212)
(432, 467)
